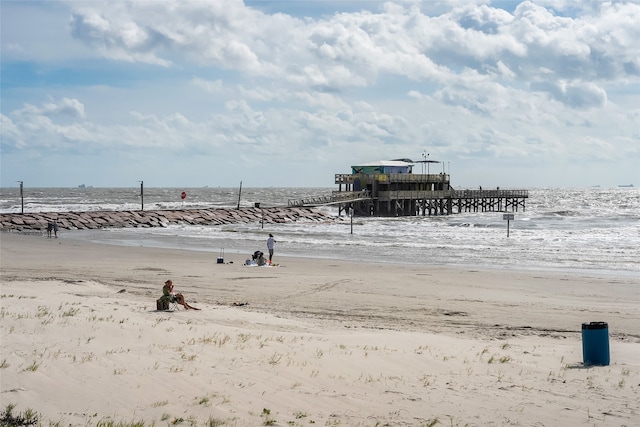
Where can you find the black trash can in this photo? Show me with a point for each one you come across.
(595, 343)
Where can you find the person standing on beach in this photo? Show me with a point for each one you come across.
(52, 226)
(270, 245)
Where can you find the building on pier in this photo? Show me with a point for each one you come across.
(390, 188)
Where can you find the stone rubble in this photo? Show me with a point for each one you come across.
(37, 221)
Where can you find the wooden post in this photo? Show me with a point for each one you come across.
(21, 198)
(141, 195)
(351, 212)
(239, 193)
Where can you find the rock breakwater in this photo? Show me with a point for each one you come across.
(37, 221)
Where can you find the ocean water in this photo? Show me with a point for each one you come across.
(583, 229)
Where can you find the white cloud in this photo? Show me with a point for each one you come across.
(577, 94)
(125, 41)
(70, 107)
(352, 49)
(11, 135)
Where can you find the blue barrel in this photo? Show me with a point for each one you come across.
(595, 343)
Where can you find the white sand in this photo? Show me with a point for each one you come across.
(320, 342)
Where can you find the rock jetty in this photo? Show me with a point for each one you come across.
(37, 221)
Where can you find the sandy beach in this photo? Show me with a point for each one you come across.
(310, 341)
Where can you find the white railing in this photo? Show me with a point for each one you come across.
(334, 198)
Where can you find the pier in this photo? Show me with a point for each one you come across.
(389, 188)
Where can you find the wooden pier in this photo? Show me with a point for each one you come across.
(409, 194)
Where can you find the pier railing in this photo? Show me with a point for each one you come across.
(345, 178)
(414, 194)
(336, 197)
(488, 194)
(452, 194)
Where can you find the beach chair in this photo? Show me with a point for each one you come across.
(166, 303)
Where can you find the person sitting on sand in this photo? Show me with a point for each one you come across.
(167, 292)
(261, 260)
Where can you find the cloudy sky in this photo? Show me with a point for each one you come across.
(288, 93)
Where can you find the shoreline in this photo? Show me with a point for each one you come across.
(312, 340)
(599, 272)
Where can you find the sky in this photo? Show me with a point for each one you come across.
(509, 94)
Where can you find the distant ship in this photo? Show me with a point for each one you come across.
(626, 185)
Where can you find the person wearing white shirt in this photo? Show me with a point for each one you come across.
(270, 245)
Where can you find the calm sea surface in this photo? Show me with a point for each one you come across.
(561, 229)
